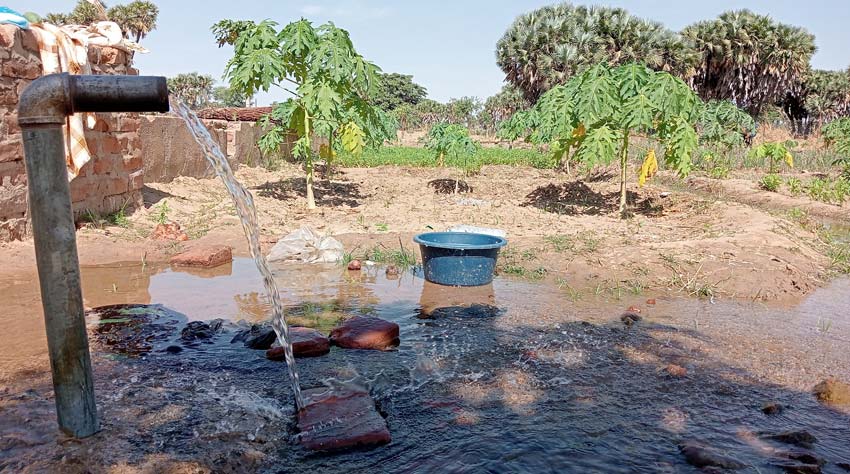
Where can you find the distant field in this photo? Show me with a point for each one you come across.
(410, 156)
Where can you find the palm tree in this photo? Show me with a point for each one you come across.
(195, 90)
(549, 45)
(749, 58)
(136, 19)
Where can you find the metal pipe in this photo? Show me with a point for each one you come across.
(42, 110)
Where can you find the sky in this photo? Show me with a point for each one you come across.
(448, 46)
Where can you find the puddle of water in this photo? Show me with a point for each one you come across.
(525, 381)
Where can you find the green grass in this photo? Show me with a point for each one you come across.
(401, 258)
(421, 157)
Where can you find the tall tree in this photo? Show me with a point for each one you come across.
(195, 90)
(228, 97)
(502, 106)
(748, 58)
(136, 19)
(329, 83)
(397, 89)
(550, 45)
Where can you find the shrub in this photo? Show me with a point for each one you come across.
(770, 182)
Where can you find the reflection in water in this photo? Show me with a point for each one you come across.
(522, 380)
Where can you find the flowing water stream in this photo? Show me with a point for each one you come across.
(248, 216)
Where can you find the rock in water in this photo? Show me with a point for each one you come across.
(628, 318)
(306, 342)
(206, 256)
(801, 438)
(677, 371)
(703, 457)
(355, 265)
(199, 330)
(773, 408)
(366, 333)
(258, 337)
(340, 419)
(832, 391)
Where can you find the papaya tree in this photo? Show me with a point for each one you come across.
(328, 83)
(775, 153)
(592, 118)
(450, 139)
(723, 124)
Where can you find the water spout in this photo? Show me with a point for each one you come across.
(250, 224)
(42, 110)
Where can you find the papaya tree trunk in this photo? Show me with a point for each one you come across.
(624, 164)
(311, 200)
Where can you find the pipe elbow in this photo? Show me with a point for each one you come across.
(47, 101)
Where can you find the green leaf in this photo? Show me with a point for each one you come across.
(598, 147)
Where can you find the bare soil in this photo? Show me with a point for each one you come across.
(684, 238)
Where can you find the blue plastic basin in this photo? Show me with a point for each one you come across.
(458, 258)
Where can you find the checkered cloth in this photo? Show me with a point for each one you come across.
(66, 49)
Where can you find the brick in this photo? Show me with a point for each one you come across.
(110, 144)
(103, 165)
(129, 123)
(13, 173)
(29, 41)
(20, 67)
(105, 56)
(11, 149)
(83, 187)
(10, 124)
(107, 186)
(137, 180)
(13, 201)
(133, 162)
(14, 229)
(101, 125)
(8, 35)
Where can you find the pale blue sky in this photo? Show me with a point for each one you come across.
(448, 46)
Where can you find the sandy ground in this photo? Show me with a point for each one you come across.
(682, 238)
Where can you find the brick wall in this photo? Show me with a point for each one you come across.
(111, 180)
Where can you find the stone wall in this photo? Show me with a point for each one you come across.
(112, 180)
(169, 151)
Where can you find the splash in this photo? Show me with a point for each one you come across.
(248, 216)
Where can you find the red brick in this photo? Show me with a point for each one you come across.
(101, 125)
(10, 123)
(13, 201)
(82, 187)
(129, 123)
(29, 41)
(209, 256)
(110, 144)
(20, 67)
(12, 149)
(102, 166)
(107, 56)
(112, 185)
(137, 180)
(133, 162)
(13, 173)
(8, 35)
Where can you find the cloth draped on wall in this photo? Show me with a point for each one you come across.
(66, 49)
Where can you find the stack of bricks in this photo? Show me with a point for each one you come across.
(111, 181)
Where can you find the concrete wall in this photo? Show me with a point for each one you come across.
(111, 180)
(169, 151)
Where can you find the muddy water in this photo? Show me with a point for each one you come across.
(524, 380)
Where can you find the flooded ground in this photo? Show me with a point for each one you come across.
(511, 377)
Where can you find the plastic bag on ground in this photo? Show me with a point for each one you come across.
(305, 245)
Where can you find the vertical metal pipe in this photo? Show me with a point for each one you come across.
(59, 274)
